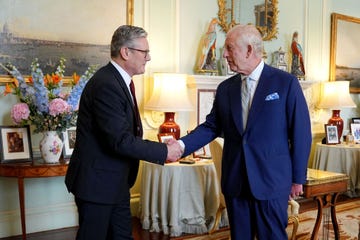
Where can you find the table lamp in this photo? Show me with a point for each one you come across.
(169, 96)
(336, 95)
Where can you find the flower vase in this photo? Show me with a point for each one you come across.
(51, 147)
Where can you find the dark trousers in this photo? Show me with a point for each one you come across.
(104, 221)
(266, 219)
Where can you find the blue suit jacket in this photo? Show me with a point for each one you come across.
(274, 146)
(105, 160)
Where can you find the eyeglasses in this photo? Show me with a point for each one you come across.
(146, 52)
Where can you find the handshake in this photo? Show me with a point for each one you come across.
(175, 150)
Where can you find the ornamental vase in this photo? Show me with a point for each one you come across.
(51, 147)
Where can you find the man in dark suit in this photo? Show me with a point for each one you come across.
(109, 144)
(262, 114)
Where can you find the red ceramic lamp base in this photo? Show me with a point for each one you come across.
(337, 121)
(169, 125)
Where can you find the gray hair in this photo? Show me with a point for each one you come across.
(250, 35)
(125, 36)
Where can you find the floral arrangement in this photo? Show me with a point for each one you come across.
(43, 101)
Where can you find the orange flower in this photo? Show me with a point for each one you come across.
(8, 89)
(47, 79)
(56, 78)
(16, 82)
(76, 78)
(30, 79)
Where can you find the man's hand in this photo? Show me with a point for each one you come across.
(296, 191)
(175, 150)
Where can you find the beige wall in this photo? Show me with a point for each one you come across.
(175, 28)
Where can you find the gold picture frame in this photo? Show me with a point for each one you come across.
(265, 16)
(345, 34)
(47, 45)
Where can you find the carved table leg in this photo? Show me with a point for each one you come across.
(333, 216)
(327, 200)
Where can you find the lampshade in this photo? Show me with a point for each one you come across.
(336, 95)
(169, 96)
(169, 93)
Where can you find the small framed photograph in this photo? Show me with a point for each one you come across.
(164, 137)
(355, 131)
(69, 138)
(331, 134)
(15, 144)
(200, 153)
(355, 120)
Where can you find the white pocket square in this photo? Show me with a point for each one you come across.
(272, 96)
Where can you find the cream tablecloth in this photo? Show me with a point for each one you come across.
(179, 198)
(340, 158)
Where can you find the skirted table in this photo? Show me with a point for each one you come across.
(341, 158)
(179, 198)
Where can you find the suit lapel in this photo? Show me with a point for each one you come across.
(121, 81)
(235, 102)
(125, 89)
(259, 97)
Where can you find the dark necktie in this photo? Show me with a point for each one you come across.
(139, 130)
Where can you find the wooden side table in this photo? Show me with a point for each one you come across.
(35, 169)
(325, 187)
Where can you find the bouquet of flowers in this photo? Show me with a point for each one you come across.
(43, 101)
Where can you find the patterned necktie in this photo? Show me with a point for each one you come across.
(245, 99)
(139, 130)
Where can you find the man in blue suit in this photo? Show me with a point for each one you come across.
(109, 144)
(262, 114)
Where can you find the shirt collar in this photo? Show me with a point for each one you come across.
(122, 72)
(255, 75)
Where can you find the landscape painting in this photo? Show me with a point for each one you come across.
(345, 50)
(79, 31)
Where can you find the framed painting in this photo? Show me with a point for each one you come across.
(331, 134)
(205, 101)
(75, 32)
(69, 138)
(344, 50)
(15, 144)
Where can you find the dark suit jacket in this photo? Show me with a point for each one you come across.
(105, 160)
(275, 145)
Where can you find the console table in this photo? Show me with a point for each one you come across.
(325, 187)
(35, 169)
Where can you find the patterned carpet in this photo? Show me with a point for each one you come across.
(348, 216)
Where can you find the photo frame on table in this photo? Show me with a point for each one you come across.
(200, 153)
(331, 134)
(355, 131)
(163, 137)
(355, 120)
(69, 138)
(15, 144)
